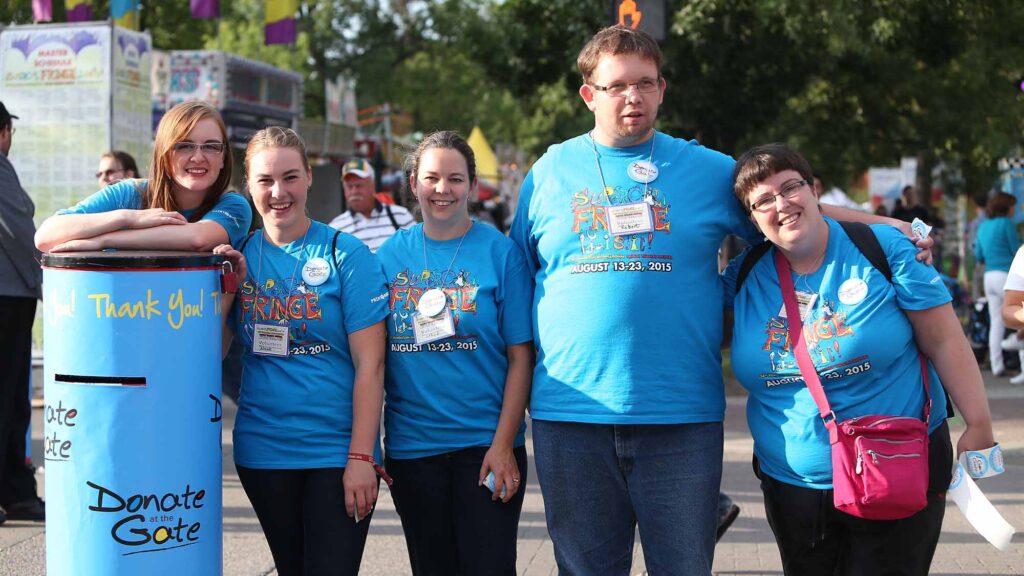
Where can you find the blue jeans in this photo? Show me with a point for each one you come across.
(599, 481)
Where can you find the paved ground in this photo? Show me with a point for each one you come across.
(748, 548)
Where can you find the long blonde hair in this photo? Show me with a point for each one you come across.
(175, 127)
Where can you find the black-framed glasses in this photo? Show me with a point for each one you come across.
(789, 190)
(619, 89)
(206, 148)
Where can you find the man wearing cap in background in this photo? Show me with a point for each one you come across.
(367, 218)
(20, 281)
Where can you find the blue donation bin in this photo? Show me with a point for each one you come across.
(133, 415)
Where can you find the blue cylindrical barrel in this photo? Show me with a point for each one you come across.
(132, 413)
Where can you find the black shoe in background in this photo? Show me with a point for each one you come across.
(728, 511)
(33, 510)
(3, 516)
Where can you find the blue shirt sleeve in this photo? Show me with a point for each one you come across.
(124, 195)
(520, 232)
(233, 213)
(515, 309)
(918, 286)
(364, 289)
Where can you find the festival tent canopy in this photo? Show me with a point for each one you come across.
(486, 161)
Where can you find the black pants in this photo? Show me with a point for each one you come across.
(815, 539)
(17, 482)
(303, 516)
(451, 525)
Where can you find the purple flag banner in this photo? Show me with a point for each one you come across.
(42, 10)
(202, 9)
(79, 10)
(280, 32)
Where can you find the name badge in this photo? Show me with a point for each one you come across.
(316, 271)
(630, 219)
(432, 302)
(270, 339)
(642, 171)
(427, 329)
(805, 302)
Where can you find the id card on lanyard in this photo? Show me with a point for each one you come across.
(635, 217)
(630, 218)
(270, 339)
(427, 329)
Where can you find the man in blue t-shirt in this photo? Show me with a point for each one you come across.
(621, 228)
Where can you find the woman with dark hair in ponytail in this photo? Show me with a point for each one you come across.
(459, 365)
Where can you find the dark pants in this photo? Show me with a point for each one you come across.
(303, 516)
(815, 539)
(451, 525)
(17, 483)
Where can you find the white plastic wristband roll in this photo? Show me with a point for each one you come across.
(982, 515)
(983, 463)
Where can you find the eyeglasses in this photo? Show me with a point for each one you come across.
(620, 89)
(108, 173)
(768, 200)
(206, 148)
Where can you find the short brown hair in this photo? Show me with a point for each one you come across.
(761, 163)
(1000, 204)
(617, 40)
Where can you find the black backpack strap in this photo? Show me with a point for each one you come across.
(246, 241)
(753, 255)
(866, 241)
(334, 247)
(864, 238)
(387, 208)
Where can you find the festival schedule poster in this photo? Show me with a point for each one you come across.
(132, 95)
(56, 79)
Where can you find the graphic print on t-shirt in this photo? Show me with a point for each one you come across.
(407, 286)
(600, 250)
(275, 302)
(824, 332)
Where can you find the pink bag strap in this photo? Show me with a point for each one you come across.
(803, 357)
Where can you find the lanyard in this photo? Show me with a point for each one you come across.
(259, 268)
(457, 248)
(597, 160)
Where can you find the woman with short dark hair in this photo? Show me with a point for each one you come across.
(877, 342)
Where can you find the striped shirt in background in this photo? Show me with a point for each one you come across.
(374, 229)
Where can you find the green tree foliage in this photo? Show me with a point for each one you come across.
(852, 83)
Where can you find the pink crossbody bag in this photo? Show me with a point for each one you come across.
(879, 463)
